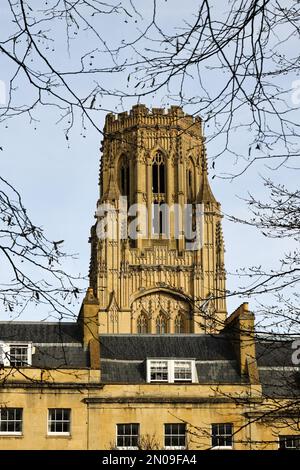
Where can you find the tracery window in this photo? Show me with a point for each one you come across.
(161, 324)
(158, 174)
(180, 323)
(142, 324)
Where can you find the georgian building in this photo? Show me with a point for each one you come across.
(153, 361)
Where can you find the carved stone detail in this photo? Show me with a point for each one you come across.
(153, 304)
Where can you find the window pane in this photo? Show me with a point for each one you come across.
(59, 420)
(11, 420)
(228, 428)
(58, 414)
(127, 435)
(221, 429)
(10, 426)
(183, 371)
(221, 435)
(159, 371)
(18, 355)
(214, 428)
(181, 428)
(167, 428)
(175, 435)
(135, 428)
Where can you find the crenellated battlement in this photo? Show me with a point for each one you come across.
(140, 115)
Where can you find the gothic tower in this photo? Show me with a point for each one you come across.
(157, 252)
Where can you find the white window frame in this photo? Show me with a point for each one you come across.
(222, 447)
(12, 433)
(291, 436)
(129, 447)
(171, 370)
(177, 364)
(150, 365)
(185, 437)
(5, 353)
(59, 433)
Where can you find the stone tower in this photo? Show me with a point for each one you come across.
(147, 272)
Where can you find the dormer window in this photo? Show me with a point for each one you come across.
(16, 354)
(171, 371)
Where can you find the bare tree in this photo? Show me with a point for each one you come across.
(31, 263)
(230, 63)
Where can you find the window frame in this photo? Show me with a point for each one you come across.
(175, 435)
(124, 176)
(59, 433)
(162, 322)
(150, 371)
(224, 435)
(11, 433)
(142, 322)
(131, 435)
(171, 370)
(186, 380)
(5, 349)
(158, 173)
(180, 324)
(285, 437)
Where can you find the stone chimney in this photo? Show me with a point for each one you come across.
(88, 317)
(240, 328)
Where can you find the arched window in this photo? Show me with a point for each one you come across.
(142, 324)
(161, 324)
(180, 323)
(158, 174)
(125, 176)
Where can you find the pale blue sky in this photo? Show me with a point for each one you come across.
(58, 179)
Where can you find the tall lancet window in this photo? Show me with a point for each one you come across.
(142, 324)
(159, 216)
(125, 177)
(158, 174)
(180, 323)
(161, 324)
(190, 179)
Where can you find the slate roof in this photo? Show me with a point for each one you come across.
(41, 332)
(58, 356)
(139, 347)
(278, 374)
(57, 345)
(272, 352)
(123, 357)
(280, 382)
